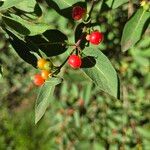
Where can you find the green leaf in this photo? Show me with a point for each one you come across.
(25, 27)
(97, 66)
(133, 29)
(78, 32)
(62, 4)
(44, 97)
(51, 42)
(65, 10)
(22, 48)
(9, 3)
(26, 6)
(115, 3)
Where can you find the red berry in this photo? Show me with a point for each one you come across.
(96, 37)
(78, 13)
(38, 80)
(74, 61)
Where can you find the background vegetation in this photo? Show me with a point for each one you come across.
(80, 116)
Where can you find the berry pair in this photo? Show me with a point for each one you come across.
(95, 37)
(45, 67)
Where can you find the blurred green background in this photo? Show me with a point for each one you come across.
(80, 117)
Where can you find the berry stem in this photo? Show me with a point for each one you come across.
(76, 46)
(66, 59)
(91, 9)
(59, 68)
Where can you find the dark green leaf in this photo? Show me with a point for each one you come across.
(44, 97)
(1, 3)
(134, 28)
(66, 3)
(51, 42)
(38, 10)
(97, 66)
(78, 32)
(23, 49)
(20, 28)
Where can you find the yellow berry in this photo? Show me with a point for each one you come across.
(41, 63)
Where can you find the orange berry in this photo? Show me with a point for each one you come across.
(45, 74)
(41, 63)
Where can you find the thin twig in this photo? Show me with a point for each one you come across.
(91, 9)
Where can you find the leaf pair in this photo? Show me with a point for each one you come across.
(49, 42)
(24, 27)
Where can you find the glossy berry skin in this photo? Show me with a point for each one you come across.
(78, 13)
(75, 61)
(41, 63)
(45, 74)
(38, 80)
(96, 37)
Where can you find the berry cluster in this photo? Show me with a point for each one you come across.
(45, 67)
(94, 37)
(74, 60)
